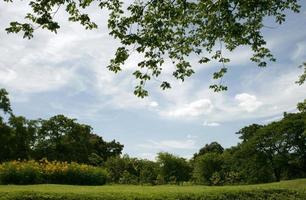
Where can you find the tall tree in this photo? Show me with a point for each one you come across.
(213, 147)
(62, 138)
(23, 133)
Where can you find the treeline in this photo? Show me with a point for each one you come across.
(266, 153)
(58, 138)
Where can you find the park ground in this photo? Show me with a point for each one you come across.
(293, 189)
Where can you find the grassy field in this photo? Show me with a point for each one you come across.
(295, 189)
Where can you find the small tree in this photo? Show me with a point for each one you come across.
(207, 169)
(173, 169)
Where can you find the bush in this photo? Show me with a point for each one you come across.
(17, 172)
(32, 172)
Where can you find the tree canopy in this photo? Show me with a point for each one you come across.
(170, 29)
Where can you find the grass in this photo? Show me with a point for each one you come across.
(294, 189)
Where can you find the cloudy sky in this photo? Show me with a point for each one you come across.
(66, 73)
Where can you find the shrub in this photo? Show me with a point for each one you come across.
(32, 172)
(17, 172)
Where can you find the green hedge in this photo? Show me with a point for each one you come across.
(32, 172)
(229, 195)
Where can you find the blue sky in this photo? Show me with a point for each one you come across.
(66, 74)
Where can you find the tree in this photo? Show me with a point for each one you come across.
(276, 149)
(206, 166)
(173, 169)
(284, 144)
(62, 138)
(5, 141)
(213, 147)
(23, 134)
(159, 30)
(248, 132)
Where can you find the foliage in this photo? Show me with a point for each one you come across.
(32, 172)
(275, 151)
(207, 169)
(128, 170)
(173, 169)
(62, 138)
(302, 106)
(170, 29)
(213, 147)
(302, 78)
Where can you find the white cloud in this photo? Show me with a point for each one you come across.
(31, 79)
(193, 109)
(248, 102)
(211, 124)
(169, 144)
(148, 156)
(153, 104)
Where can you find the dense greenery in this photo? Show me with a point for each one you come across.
(32, 172)
(162, 30)
(58, 138)
(266, 153)
(287, 190)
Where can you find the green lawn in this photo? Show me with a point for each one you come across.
(295, 189)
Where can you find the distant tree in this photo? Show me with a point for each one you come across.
(248, 132)
(62, 138)
(275, 151)
(23, 134)
(170, 29)
(6, 138)
(148, 172)
(248, 164)
(213, 147)
(105, 149)
(122, 169)
(206, 166)
(173, 169)
(5, 129)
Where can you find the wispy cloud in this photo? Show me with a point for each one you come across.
(164, 145)
(211, 124)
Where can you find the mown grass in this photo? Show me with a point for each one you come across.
(294, 189)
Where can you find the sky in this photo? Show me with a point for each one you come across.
(65, 73)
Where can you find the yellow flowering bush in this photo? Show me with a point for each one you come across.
(54, 172)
